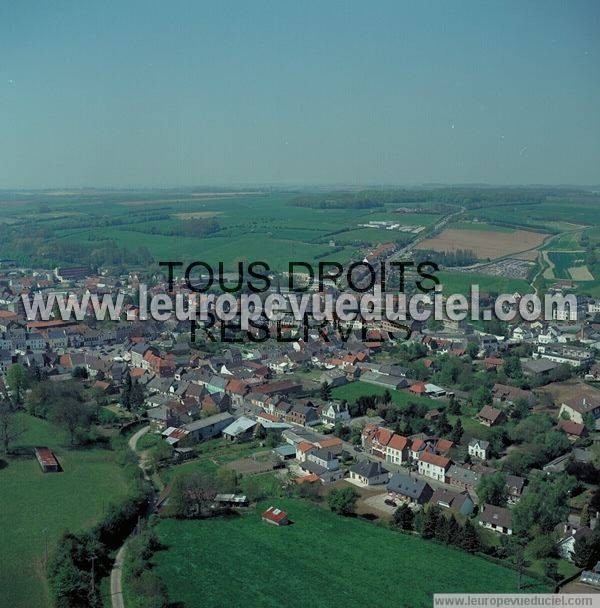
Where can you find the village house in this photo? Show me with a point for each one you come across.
(490, 416)
(434, 466)
(418, 447)
(323, 464)
(576, 408)
(573, 430)
(237, 390)
(333, 444)
(459, 502)
(515, 487)
(375, 439)
(503, 393)
(463, 477)
(569, 534)
(479, 448)
(496, 518)
(492, 363)
(335, 412)
(303, 448)
(409, 488)
(396, 451)
(302, 415)
(368, 473)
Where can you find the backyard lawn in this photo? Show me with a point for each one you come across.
(352, 391)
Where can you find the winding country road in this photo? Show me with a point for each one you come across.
(116, 574)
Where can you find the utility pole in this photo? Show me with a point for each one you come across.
(45, 532)
(92, 591)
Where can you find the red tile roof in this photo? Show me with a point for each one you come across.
(418, 445)
(329, 443)
(398, 442)
(418, 388)
(305, 446)
(239, 387)
(274, 514)
(443, 445)
(384, 435)
(438, 461)
(572, 428)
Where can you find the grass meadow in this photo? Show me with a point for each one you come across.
(321, 560)
(37, 508)
(460, 282)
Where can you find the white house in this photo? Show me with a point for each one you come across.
(396, 451)
(324, 458)
(368, 473)
(433, 466)
(579, 406)
(566, 544)
(335, 412)
(479, 448)
(496, 518)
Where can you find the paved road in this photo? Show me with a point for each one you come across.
(116, 591)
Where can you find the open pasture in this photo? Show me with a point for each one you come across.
(41, 506)
(322, 560)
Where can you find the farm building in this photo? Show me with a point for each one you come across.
(232, 500)
(275, 516)
(207, 428)
(241, 429)
(47, 460)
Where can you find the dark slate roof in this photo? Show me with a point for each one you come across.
(496, 515)
(406, 485)
(368, 469)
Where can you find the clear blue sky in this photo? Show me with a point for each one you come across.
(121, 93)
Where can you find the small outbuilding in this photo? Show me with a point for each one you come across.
(275, 516)
(47, 460)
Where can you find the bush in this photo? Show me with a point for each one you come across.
(148, 587)
(343, 501)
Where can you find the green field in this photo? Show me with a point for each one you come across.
(479, 226)
(460, 282)
(372, 236)
(322, 560)
(37, 508)
(564, 260)
(251, 227)
(569, 241)
(554, 214)
(352, 391)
